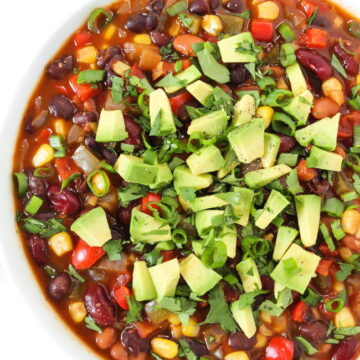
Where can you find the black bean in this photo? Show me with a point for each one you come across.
(199, 7)
(159, 38)
(198, 348)
(239, 341)
(84, 117)
(235, 6)
(106, 55)
(62, 107)
(133, 342)
(214, 4)
(315, 331)
(321, 21)
(110, 156)
(238, 74)
(90, 142)
(39, 249)
(151, 21)
(155, 5)
(37, 186)
(59, 286)
(59, 68)
(137, 23)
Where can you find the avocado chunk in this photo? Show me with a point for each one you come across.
(207, 202)
(145, 228)
(296, 78)
(92, 227)
(230, 48)
(142, 284)
(271, 149)
(207, 159)
(296, 268)
(243, 207)
(247, 141)
(259, 178)
(111, 126)
(228, 235)
(275, 204)
(184, 178)
(187, 77)
(244, 110)
(322, 133)
(325, 160)
(231, 162)
(284, 238)
(165, 278)
(211, 124)
(133, 169)
(245, 318)
(300, 107)
(249, 275)
(201, 91)
(308, 208)
(163, 176)
(203, 220)
(161, 116)
(199, 278)
(278, 288)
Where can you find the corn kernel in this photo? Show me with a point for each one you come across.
(345, 252)
(109, 32)
(338, 22)
(191, 329)
(164, 348)
(237, 355)
(261, 341)
(61, 243)
(174, 28)
(174, 319)
(142, 39)
(176, 331)
(77, 311)
(60, 127)
(93, 66)
(265, 330)
(358, 79)
(265, 317)
(266, 113)
(344, 318)
(43, 155)
(350, 221)
(281, 84)
(87, 55)
(212, 24)
(338, 286)
(120, 67)
(268, 10)
(334, 90)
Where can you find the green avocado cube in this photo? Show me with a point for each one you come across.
(324, 160)
(203, 220)
(296, 78)
(165, 278)
(199, 278)
(207, 159)
(296, 268)
(201, 91)
(245, 318)
(145, 228)
(243, 207)
(300, 107)
(133, 169)
(228, 235)
(244, 110)
(284, 238)
(249, 275)
(93, 227)
(142, 284)
(184, 178)
(231, 162)
(211, 124)
(187, 77)
(271, 149)
(207, 202)
(111, 126)
(163, 178)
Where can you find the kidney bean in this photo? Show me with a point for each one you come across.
(106, 339)
(267, 283)
(313, 61)
(155, 5)
(214, 4)
(133, 342)
(238, 74)
(84, 117)
(324, 107)
(59, 286)
(62, 107)
(199, 7)
(239, 341)
(107, 54)
(315, 331)
(321, 21)
(287, 143)
(235, 6)
(37, 186)
(347, 60)
(57, 69)
(99, 305)
(39, 249)
(345, 350)
(142, 22)
(317, 186)
(134, 131)
(159, 38)
(65, 202)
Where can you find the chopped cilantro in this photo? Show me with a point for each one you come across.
(135, 308)
(44, 228)
(75, 274)
(181, 306)
(91, 324)
(113, 249)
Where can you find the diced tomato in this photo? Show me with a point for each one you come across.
(178, 101)
(324, 266)
(210, 38)
(83, 91)
(168, 255)
(326, 251)
(186, 63)
(300, 311)
(65, 167)
(44, 135)
(145, 328)
(279, 348)
(84, 256)
(228, 349)
(82, 38)
(150, 197)
(262, 30)
(314, 38)
(308, 7)
(347, 123)
(62, 89)
(136, 71)
(305, 173)
(120, 295)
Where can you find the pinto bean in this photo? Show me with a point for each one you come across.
(59, 286)
(106, 339)
(183, 43)
(57, 69)
(324, 107)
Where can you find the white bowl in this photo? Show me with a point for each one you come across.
(11, 252)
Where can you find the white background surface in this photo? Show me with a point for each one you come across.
(25, 25)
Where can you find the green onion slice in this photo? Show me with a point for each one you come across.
(93, 25)
(287, 55)
(98, 183)
(22, 182)
(56, 141)
(68, 180)
(353, 161)
(283, 124)
(333, 207)
(266, 83)
(279, 98)
(46, 172)
(354, 29)
(335, 305)
(34, 205)
(177, 8)
(60, 153)
(286, 32)
(108, 167)
(179, 236)
(214, 255)
(90, 76)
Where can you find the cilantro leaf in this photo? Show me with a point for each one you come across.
(170, 80)
(130, 193)
(113, 249)
(45, 228)
(91, 324)
(75, 274)
(335, 62)
(180, 306)
(344, 272)
(117, 91)
(248, 299)
(185, 20)
(135, 308)
(188, 194)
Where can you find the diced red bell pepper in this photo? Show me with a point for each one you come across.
(347, 123)
(83, 91)
(210, 38)
(299, 312)
(305, 173)
(136, 71)
(150, 197)
(327, 252)
(314, 38)
(279, 348)
(308, 7)
(176, 102)
(65, 167)
(324, 266)
(84, 256)
(145, 328)
(44, 135)
(120, 295)
(262, 30)
(82, 38)
(62, 89)
(168, 255)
